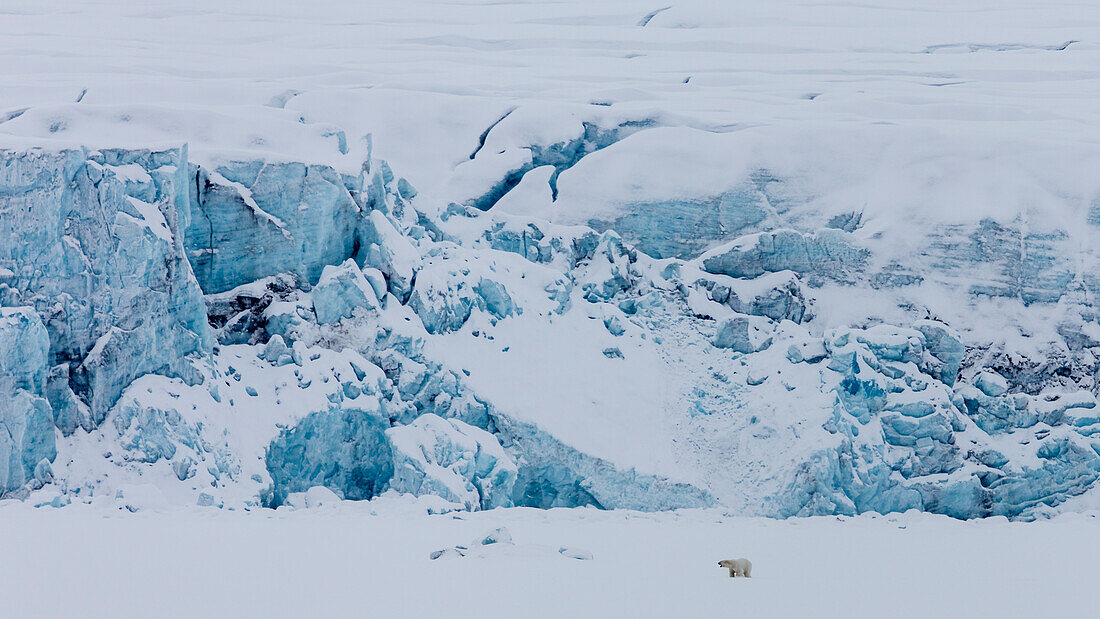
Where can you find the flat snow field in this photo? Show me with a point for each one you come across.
(365, 561)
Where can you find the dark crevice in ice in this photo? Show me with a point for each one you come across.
(561, 155)
(12, 114)
(643, 22)
(485, 134)
(997, 47)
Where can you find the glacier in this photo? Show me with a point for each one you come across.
(453, 460)
(366, 401)
(28, 445)
(159, 311)
(798, 296)
(245, 222)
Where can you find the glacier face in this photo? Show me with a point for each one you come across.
(25, 414)
(673, 258)
(91, 241)
(353, 339)
(253, 219)
(453, 460)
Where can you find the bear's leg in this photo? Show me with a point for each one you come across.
(732, 574)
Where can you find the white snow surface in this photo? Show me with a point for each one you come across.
(936, 107)
(620, 409)
(347, 559)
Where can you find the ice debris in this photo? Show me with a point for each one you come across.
(105, 255)
(743, 334)
(344, 449)
(342, 290)
(453, 460)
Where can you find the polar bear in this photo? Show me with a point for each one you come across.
(737, 567)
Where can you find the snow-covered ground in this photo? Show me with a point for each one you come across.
(372, 559)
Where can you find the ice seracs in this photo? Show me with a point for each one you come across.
(802, 302)
(369, 368)
(26, 419)
(340, 291)
(253, 219)
(92, 241)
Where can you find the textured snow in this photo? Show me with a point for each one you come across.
(328, 560)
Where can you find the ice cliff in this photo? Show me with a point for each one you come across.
(237, 332)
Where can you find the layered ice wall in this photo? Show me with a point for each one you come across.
(253, 219)
(91, 241)
(352, 339)
(27, 444)
(290, 292)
